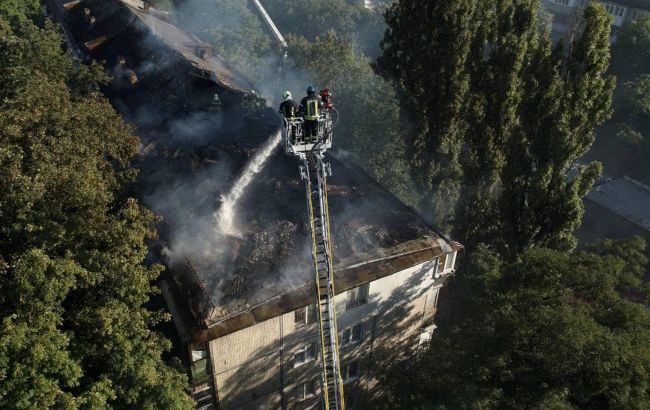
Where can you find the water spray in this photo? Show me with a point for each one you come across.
(225, 216)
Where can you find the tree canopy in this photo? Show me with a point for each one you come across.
(500, 116)
(369, 124)
(547, 330)
(632, 64)
(74, 332)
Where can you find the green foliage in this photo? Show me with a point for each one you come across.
(17, 12)
(631, 51)
(538, 205)
(74, 330)
(369, 112)
(633, 109)
(313, 18)
(426, 51)
(631, 63)
(474, 81)
(547, 330)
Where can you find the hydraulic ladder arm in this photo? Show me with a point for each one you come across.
(316, 171)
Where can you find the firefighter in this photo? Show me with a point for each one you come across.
(326, 97)
(310, 107)
(289, 108)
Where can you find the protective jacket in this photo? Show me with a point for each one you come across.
(289, 108)
(310, 107)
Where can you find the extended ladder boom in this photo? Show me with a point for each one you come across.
(315, 172)
(309, 144)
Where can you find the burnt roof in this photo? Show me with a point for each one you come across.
(267, 269)
(137, 34)
(188, 164)
(190, 46)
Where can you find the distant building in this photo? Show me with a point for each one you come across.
(566, 14)
(617, 208)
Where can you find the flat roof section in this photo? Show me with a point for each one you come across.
(626, 197)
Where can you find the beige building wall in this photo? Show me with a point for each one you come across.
(271, 365)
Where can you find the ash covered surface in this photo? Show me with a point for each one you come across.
(189, 165)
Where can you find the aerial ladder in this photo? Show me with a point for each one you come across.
(272, 27)
(314, 170)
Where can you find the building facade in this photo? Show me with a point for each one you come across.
(566, 14)
(274, 364)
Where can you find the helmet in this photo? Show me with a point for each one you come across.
(286, 95)
(311, 89)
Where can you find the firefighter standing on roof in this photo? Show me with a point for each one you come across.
(310, 107)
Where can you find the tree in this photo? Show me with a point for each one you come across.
(369, 112)
(17, 12)
(548, 330)
(631, 62)
(313, 18)
(539, 205)
(74, 332)
(475, 80)
(426, 49)
(350, 21)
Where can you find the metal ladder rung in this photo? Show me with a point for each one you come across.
(319, 220)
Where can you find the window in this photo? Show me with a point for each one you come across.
(358, 296)
(351, 371)
(432, 299)
(441, 264)
(305, 316)
(352, 335)
(564, 2)
(450, 260)
(307, 389)
(615, 10)
(304, 354)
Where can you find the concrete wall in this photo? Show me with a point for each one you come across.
(254, 368)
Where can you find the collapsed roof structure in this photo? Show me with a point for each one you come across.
(145, 52)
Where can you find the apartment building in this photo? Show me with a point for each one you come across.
(274, 364)
(566, 14)
(243, 306)
(252, 333)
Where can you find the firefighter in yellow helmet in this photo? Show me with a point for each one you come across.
(310, 108)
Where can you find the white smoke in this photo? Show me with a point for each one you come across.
(225, 216)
